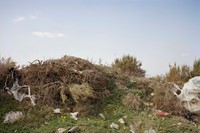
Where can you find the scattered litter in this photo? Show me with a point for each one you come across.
(160, 113)
(152, 94)
(132, 129)
(74, 115)
(73, 129)
(20, 96)
(149, 104)
(57, 111)
(102, 116)
(150, 131)
(66, 80)
(189, 94)
(11, 117)
(125, 117)
(121, 120)
(114, 126)
(191, 116)
(179, 123)
(61, 130)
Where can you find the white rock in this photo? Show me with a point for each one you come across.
(73, 129)
(114, 126)
(102, 116)
(57, 111)
(150, 131)
(125, 117)
(132, 129)
(11, 117)
(121, 120)
(74, 115)
(152, 94)
(61, 130)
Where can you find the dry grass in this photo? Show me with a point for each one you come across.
(65, 81)
(73, 84)
(129, 65)
(165, 100)
(131, 101)
(5, 65)
(81, 93)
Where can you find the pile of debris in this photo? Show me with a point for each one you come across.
(69, 80)
(179, 101)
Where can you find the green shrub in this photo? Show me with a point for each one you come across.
(129, 65)
(178, 74)
(181, 74)
(196, 68)
(5, 65)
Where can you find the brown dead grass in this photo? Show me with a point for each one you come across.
(131, 101)
(68, 80)
(154, 91)
(165, 100)
(81, 92)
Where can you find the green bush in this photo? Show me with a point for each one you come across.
(129, 65)
(5, 65)
(196, 68)
(178, 74)
(181, 74)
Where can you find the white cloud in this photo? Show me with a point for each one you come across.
(18, 19)
(60, 35)
(21, 18)
(32, 17)
(184, 54)
(47, 34)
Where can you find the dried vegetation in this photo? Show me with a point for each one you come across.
(67, 81)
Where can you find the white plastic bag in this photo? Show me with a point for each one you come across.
(114, 126)
(19, 96)
(190, 94)
(11, 117)
(74, 115)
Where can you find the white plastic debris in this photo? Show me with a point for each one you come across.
(132, 129)
(125, 117)
(11, 117)
(20, 96)
(61, 130)
(74, 115)
(150, 131)
(189, 94)
(121, 120)
(114, 126)
(152, 94)
(102, 116)
(57, 111)
(73, 129)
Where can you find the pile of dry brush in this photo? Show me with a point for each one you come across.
(69, 81)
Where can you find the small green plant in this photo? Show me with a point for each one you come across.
(164, 99)
(181, 74)
(178, 74)
(131, 101)
(133, 104)
(5, 65)
(196, 68)
(129, 65)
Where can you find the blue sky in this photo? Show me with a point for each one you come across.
(157, 32)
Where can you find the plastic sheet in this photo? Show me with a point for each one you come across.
(20, 96)
(189, 94)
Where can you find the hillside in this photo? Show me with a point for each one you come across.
(76, 85)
